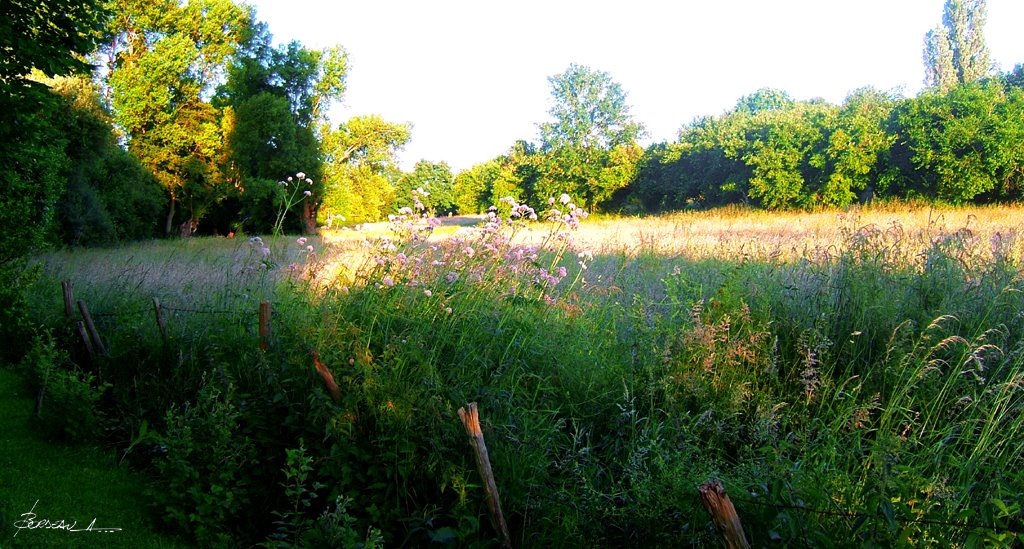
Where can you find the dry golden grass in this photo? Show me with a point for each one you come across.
(734, 233)
(737, 233)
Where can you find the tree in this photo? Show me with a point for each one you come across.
(435, 178)
(360, 159)
(956, 52)
(964, 145)
(51, 36)
(472, 187)
(275, 102)
(764, 99)
(590, 147)
(108, 195)
(164, 60)
(855, 146)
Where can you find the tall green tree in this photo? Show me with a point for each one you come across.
(361, 168)
(955, 52)
(164, 60)
(275, 102)
(590, 145)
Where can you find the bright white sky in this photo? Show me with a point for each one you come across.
(471, 75)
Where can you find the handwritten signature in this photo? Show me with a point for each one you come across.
(30, 522)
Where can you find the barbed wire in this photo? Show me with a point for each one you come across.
(149, 310)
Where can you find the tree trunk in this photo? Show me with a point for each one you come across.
(169, 223)
(308, 218)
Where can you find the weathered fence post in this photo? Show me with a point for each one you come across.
(160, 321)
(723, 514)
(69, 298)
(471, 419)
(91, 327)
(84, 335)
(332, 386)
(264, 325)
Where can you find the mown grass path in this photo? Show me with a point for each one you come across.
(73, 484)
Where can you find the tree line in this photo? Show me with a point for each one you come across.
(134, 119)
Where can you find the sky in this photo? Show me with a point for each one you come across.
(471, 76)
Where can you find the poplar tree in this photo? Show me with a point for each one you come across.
(955, 52)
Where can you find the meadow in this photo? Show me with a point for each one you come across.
(853, 378)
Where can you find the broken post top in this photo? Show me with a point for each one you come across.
(471, 419)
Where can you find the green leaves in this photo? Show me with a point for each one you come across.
(590, 148)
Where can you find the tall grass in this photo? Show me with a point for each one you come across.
(853, 378)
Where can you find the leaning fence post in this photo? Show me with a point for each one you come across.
(471, 420)
(84, 335)
(264, 325)
(91, 327)
(723, 514)
(332, 386)
(161, 322)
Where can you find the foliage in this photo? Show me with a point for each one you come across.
(964, 144)
(957, 146)
(955, 52)
(163, 62)
(49, 35)
(275, 101)
(109, 197)
(434, 178)
(590, 148)
(362, 168)
(206, 483)
(67, 397)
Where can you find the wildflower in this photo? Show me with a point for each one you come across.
(452, 277)
(307, 193)
(301, 241)
(309, 181)
(565, 199)
(289, 180)
(469, 251)
(388, 281)
(427, 292)
(448, 310)
(309, 248)
(300, 175)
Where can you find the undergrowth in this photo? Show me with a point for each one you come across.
(863, 395)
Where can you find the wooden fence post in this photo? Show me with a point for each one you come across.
(723, 514)
(84, 335)
(471, 420)
(332, 386)
(160, 321)
(91, 327)
(264, 325)
(69, 298)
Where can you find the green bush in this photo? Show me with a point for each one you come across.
(67, 397)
